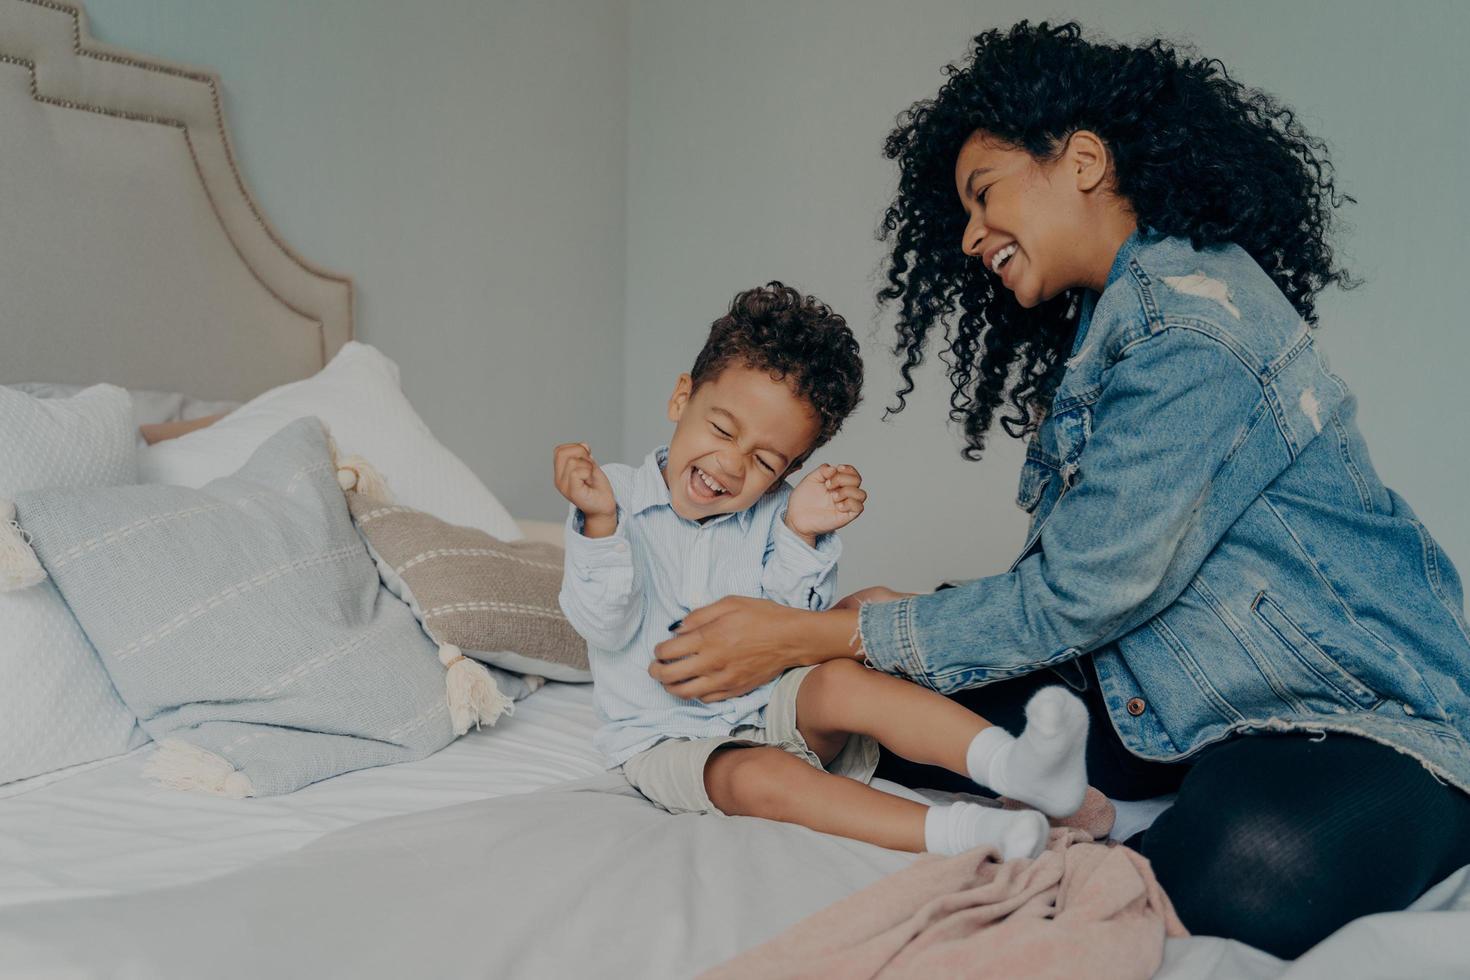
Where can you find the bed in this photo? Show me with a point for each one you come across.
(136, 255)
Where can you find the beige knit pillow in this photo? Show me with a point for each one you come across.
(495, 600)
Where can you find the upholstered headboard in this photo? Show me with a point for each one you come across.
(131, 250)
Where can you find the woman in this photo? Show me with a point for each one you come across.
(1122, 247)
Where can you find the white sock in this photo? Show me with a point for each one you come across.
(961, 827)
(1047, 766)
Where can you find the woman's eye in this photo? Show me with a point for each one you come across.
(767, 466)
(722, 432)
(980, 198)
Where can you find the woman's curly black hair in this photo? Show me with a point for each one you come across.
(1195, 154)
(775, 328)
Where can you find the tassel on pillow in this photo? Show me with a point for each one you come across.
(357, 475)
(181, 765)
(19, 566)
(474, 699)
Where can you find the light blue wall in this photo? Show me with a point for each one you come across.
(463, 161)
(754, 153)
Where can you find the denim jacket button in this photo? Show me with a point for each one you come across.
(1136, 706)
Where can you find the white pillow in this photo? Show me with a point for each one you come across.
(57, 706)
(358, 397)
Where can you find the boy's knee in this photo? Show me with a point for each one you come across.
(835, 674)
(751, 781)
(841, 667)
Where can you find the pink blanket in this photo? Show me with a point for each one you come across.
(1080, 910)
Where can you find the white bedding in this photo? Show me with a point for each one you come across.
(583, 880)
(103, 829)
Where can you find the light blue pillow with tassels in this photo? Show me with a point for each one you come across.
(244, 622)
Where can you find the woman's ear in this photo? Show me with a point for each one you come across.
(1087, 159)
(683, 388)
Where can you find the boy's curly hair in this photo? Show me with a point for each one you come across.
(1195, 153)
(797, 338)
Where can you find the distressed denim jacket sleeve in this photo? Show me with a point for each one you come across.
(1149, 499)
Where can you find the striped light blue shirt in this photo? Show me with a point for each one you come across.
(623, 591)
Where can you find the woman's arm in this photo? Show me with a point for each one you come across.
(737, 644)
(1182, 441)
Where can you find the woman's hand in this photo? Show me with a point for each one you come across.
(737, 644)
(877, 593)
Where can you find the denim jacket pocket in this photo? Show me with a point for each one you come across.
(1035, 475)
(1312, 656)
(1073, 428)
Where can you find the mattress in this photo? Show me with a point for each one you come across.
(104, 829)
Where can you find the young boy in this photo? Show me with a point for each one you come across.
(711, 515)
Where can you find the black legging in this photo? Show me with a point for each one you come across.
(1274, 840)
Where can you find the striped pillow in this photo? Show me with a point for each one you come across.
(495, 600)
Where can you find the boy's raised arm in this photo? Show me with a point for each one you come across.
(600, 591)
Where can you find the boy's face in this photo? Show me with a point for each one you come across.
(734, 438)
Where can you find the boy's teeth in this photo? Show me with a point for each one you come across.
(715, 487)
(1000, 257)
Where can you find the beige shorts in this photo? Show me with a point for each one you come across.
(671, 773)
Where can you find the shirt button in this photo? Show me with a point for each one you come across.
(1136, 706)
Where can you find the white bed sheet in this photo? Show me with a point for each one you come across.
(104, 829)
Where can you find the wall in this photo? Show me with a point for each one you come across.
(754, 153)
(544, 205)
(463, 161)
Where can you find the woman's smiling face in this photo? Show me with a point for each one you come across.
(1027, 217)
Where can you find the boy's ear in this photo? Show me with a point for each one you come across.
(1087, 158)
(683, 388)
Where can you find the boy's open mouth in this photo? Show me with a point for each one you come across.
(703, 487)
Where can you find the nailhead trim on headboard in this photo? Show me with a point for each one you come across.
(81, 49)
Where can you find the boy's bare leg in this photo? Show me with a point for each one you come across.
(1044, 767)
(843, 697)
(772, 783)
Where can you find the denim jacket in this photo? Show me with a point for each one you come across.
(1207, 524)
